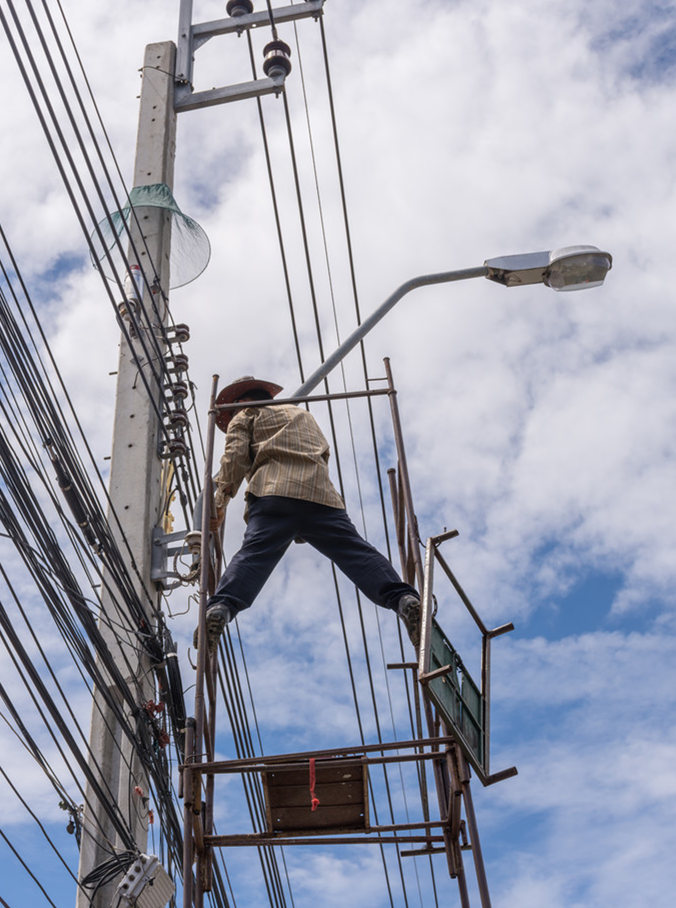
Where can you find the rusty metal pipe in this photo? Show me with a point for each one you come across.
(282, 759)
(220, 841)
(398, 518)
(204, 575)
(403, 473)
(187, 814)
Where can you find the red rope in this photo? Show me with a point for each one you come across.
(315, 799)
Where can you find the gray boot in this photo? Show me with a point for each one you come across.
(218, 616)
(408, 609)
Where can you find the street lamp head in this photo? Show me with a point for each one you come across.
(577, 268)
(568, 268)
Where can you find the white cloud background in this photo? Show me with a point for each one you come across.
(540, 425)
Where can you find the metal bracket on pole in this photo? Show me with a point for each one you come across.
(165, 546)
(192, 37)
(187, 99)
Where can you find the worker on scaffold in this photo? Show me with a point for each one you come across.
(283, 455)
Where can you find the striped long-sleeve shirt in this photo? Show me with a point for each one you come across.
(279, 450)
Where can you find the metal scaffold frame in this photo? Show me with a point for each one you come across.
(342, 773)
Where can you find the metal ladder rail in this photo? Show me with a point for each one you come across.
(200, 737)
(452, 779)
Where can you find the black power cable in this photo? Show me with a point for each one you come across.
(46, 113)
(65, 464)
(108, 871)
(28, 870)
(22, 493)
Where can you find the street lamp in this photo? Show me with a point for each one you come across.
(568, 268)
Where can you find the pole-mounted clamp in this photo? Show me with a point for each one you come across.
(168, 546)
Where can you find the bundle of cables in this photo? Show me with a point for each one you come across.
(108, 871)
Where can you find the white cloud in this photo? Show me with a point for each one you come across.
(541, 426)
(587, 712)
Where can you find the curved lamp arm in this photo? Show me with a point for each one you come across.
(568, 268)
(363, 329)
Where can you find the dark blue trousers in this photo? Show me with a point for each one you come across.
(274, 522)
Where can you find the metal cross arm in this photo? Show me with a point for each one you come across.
(186, 99)
(276, 64)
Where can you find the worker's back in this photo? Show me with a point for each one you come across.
(288, 453)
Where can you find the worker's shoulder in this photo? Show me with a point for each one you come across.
(285, 414)
(296, 413)
(275, 411)
(268, 416)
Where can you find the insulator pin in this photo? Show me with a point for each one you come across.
(277, 60)
(178, 390)
(175, 447)
(177, 363)
(178, 418)
(239, 7)
(179, 333)
(193, 541)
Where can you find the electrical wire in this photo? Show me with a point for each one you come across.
(370, 408)
(333, 303)
(310, 279)
(275, 208)
(336, 447)
(23, 496)
(42, 400)
(108, 871)
(116, 566)
(40, 825)
(231, 690)
(46, 113)
(27, 869)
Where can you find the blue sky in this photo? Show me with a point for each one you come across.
(541, 426)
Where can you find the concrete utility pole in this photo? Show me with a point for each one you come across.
(136, 469)
(135, 488)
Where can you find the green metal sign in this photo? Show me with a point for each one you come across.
(457, 698)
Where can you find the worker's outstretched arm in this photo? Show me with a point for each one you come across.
(217, 518)
(235, 462)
